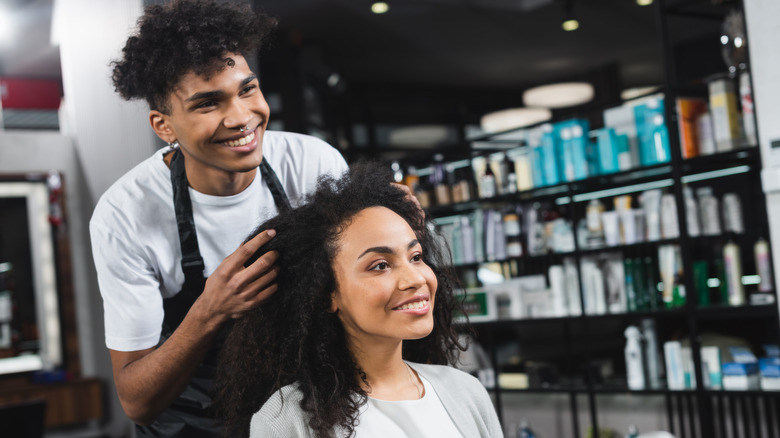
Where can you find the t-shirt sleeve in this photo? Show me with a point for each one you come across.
(132, 302)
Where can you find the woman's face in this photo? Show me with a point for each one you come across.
(385, 292)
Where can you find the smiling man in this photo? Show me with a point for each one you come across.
(167, 236)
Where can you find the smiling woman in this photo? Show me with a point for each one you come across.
(357, 338)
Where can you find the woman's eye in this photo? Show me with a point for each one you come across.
(417, 258)
(381, 266)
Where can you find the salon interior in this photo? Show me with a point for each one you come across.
(606, 175)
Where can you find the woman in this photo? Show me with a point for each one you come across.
(355, 340)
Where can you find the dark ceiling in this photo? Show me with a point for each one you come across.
(493, 47)
(475, 43)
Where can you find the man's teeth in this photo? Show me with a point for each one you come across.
(414, 305)
(241, 141)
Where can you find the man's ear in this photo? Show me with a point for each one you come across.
(162, 126)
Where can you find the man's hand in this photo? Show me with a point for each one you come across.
(232, 289)
(411, 197)
(147, 381)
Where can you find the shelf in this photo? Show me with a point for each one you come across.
(659, 313)
(727, 162)
(747, 311)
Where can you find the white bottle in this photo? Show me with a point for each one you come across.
(634, 370)
(708, 212)
(733, 265)
(763, 267)
(691, 212)
(652, 361)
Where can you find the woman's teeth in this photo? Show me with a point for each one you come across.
(241, 141)
(414, 305)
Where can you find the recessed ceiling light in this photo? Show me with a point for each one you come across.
(379, 7)
(633, 93)
(512, 118)
(571, 24)
(644, 2)
(559, 95)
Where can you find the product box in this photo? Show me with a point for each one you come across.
(688, 112)
(571, 138)
(608, 149)
(652, 133)
(479, 305)
(675, 376)
(689, 373)
(740, 376)
(710, 357)
(769, 370)
(521, 297)
(725, 117)
(623, 121)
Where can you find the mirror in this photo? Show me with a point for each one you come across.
(30, 329)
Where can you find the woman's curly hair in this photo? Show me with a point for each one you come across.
(293, 338)
(181, 37)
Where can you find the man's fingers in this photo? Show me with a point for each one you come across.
(262, 281)
(255, 301)
(251, 246)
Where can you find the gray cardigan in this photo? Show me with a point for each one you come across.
(464, 398)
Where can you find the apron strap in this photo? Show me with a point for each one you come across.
(192, 264)
(269, 176)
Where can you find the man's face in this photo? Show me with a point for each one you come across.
(207, 118)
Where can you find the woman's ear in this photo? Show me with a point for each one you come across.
(333, 305)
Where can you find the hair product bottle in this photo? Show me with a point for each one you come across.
(634, 370)
(733, 267)
(763, 267)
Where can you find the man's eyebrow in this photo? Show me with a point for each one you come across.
(205, 95)
(247, 80)
(386, 249)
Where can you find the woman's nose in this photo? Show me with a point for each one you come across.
(411, 278)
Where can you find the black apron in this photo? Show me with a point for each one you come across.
(189, 415)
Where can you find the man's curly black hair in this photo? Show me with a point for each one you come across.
(293, 338)
(181, 37)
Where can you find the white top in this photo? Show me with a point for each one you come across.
(465, 400)
(135, 241)
(424, 418)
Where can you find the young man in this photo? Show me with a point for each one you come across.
(167, 236)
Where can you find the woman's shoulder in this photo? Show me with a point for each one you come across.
(281, 415)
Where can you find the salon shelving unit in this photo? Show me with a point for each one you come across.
(584, 340)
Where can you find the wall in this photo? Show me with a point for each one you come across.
(111, 135)
(40, 152)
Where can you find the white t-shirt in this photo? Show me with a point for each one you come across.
(423, 418)
(135, 241)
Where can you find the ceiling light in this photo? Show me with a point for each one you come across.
(559, 95)
(633, 93)
(379, 7)
(644, 2)
(570, 25)
(513, 118)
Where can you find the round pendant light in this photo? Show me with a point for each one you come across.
(513, 118)
(560, 95)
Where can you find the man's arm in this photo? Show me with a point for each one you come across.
(147, 381)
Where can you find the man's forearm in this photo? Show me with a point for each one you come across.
(149, 381)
